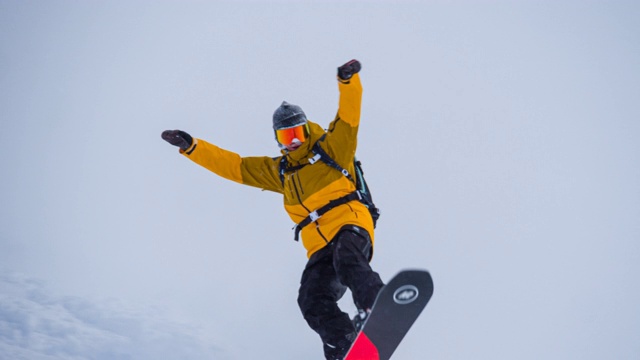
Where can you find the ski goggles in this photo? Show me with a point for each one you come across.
(286, 136)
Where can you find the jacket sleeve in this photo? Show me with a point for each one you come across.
(343, 131)
(350, 100)
(261, 172)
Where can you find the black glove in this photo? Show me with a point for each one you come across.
(178, 138)
(346, 71)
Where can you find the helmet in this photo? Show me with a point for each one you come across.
(288, 115)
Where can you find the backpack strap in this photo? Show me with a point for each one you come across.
(316, 214)
(284, 168)
(318, 150)
(318, 155)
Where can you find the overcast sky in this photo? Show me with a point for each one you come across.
(500, 140)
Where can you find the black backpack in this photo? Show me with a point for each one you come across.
(362, 193)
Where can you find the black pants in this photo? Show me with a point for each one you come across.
(342, 264)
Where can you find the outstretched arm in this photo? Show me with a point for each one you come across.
(261, 172)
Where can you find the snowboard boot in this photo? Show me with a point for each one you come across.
(360, 318)
(339, 350)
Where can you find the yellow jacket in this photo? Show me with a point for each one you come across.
(311, 186)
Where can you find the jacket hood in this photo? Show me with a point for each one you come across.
(315, 133)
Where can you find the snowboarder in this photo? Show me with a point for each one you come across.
(339, 243)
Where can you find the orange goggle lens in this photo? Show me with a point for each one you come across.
(286, 136)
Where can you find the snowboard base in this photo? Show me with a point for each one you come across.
(396, 308)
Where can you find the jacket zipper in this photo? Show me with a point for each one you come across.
(299, 183)
(295, 187)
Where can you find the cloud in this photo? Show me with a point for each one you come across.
(37, 325)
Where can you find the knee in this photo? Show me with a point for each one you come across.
(314, 311)
(316, 304)
(310, 303)
(304, 303)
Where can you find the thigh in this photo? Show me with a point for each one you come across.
(319, 285)
(351, 261)
(351, 250)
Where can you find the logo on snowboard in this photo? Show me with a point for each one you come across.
(405, 294)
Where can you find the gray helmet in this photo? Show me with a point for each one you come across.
(288, 115)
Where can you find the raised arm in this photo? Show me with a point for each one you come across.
(343, 131)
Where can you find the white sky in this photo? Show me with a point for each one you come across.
(499, 138)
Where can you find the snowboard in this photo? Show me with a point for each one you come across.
(396, 308)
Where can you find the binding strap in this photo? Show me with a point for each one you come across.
(315, 215)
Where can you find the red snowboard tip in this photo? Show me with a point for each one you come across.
(363, 349)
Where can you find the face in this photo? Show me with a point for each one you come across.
(293, 146)
(291, 138)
